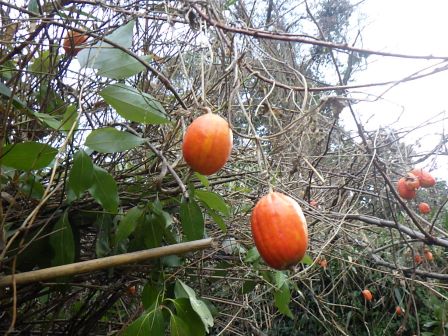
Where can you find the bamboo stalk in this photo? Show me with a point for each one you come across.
(102, 263)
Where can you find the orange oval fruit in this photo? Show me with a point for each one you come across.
(425, 178)
(399, 311)
(412, 181)
(279, 230)
(73, 41)
(424, 208)
(418, 259)
(428, 255)
(367, 295)
(404, 191)
(207, 144)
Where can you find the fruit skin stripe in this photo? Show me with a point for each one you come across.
(102, 263)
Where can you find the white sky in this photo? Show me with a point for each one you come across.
(410, 27)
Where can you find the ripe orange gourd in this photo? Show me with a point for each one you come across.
(428, 255)
(404, 191)
(425, 178)
(418, 259)
(72, 42)
(399, 311)
(424, 208)
(279, 230)
(207, 144)
(367, 295)
(412, 181)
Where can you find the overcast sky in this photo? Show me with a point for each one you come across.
(411, 27)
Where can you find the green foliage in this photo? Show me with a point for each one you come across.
(81, 175)
(30, 186)
(282, 297)
(128, 224)
(62, 122)
(112, 62)
(62, 242)
(155, 78)
(134, 105)
(187, 315)
(104, 226)
(27, 155)
(104, 189)
(213, 201)
(191, 219)
(150, 323)
(182, 290)
(111, 140)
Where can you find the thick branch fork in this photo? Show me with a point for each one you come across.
(102, 263)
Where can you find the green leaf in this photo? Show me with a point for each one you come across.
(218, 219)
(282, 299)
(153, 231)
(6, 92)
(111, 140)
(152, 295)
(179, 327)
(102, 54)
(33, 6)
(80, 177)
(48, 119)
(44, 63)
(185, 311)
(163, 216)
(128, 224)
(398, 296)
(252, 255)
(150, 323)
(182, 290)
(62, 242)
(279, 278)
(110, 61)
(192, 220)
(203, 179)
(31, 186)
(134, 105)
(104, 189)
(122, 65)
(213, 200)
(248, 286)
(27, 155)
(104, 224)
(307, 260)
(69, 118)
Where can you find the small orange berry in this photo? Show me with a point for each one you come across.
(367, 295)
(428, 255)
(399, 311)
(418, 258)
(424, 208)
